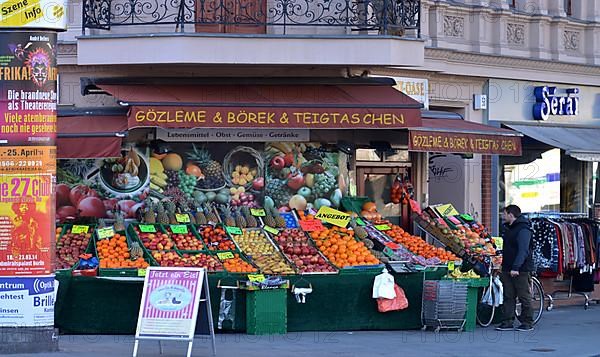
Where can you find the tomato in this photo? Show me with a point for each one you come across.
(91, 207)
(80, 192)
(62, 195)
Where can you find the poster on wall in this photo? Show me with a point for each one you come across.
(91, 189)
(27, 153)
(301, 176)
(27, 301)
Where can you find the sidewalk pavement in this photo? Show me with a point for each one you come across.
(570, 331)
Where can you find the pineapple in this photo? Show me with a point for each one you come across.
(201, 218)
(360, 232)
(136, 251)
(149, 214)
(192, 218)
(229, 220)
(280, 222)
(161, 215)
(119, 222)
(212, 217)
(212, 170)
(270, 221)
(240, 220)
(172, 219)
(170, 206)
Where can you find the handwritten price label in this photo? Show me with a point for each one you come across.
(258, 278)
(360, 222)
(258, 212)
(383, 227)
(104, 233)
(233, 230)
(451, 266)
(225, 255)
(182, 218)
(80, 229)
(311, 225)
(179, 229)
(141, 272)
(271, 230)
(147, 228)
(387, 251)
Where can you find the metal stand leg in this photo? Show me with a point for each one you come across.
(135, 348)
(160, 349)
(189, 351)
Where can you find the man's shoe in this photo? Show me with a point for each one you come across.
(505, 327)
(524, 327)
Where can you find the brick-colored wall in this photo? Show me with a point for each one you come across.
(486, 190)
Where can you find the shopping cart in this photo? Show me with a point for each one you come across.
(444, 304)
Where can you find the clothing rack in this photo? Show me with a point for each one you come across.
(564, 294)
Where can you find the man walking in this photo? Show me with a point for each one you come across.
(517, 265)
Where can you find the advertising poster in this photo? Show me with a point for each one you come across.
(27, 301)
(27, 153)
(41, 14)
(169, 304)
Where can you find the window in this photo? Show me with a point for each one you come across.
(512, 4)
(569, 7)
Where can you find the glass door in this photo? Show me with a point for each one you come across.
(377, 183)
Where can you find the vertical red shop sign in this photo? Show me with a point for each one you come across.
(28, 100)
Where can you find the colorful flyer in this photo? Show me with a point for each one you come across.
(27, 301)
(170, 300)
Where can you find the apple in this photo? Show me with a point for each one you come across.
(277, 162)
(258, 183)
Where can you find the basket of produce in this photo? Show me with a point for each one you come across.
(244, 166)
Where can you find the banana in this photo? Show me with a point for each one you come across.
(158, 181)
(156, 188)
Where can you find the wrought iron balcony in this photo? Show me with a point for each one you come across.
(302, 17)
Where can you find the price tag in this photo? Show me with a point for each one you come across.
(104, 233)
(147, 228)
(182, 218)
(141, 272)
(258, 278)
(179, 228)
(387, 251)
(311, 225)
(79, 229)
(234, 230)
(333, 216)
(451, 266)
(258, 212)
(360, 222)
(271, 230)
(499, 242)
(383, 227)
(225, 255)
(392, 245)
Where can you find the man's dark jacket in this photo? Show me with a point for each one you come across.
(516, 250)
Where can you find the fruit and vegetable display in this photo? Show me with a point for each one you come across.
(215, 238)
(238, 265)
(418, 246)
(299, 250)
(340, 247)
(301, 176)
(256, 245)
(114, 253)
(196, 260)
(369, 211)
(185, 241)
(70, 246)
(155, 241)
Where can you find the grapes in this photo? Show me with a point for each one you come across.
(186, 183)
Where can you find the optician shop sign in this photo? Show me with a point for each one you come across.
(549, 101)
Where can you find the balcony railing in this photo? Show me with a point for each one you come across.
(378, 17)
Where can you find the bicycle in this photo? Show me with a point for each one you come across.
(485, 313)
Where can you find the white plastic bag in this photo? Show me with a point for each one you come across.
(383, 287)
(498, 291)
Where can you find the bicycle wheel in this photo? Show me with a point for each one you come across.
(537, 301)
(485, 312)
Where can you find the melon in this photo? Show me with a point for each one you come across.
(172, 162)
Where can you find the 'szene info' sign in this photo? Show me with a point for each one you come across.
(549, 102)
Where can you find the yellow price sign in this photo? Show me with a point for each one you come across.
(258, 278)
(182, 218)
(333, 216)
(451, 265)
(79, 229)
(499, 242)
(141, 272)
(447, 210)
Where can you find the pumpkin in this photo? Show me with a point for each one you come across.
(369, 207)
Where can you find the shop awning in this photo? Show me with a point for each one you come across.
(290, 105)
(580, 143)
(460, 136)
(84, 137)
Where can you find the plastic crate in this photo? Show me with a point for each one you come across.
(354, 204)
(266, 312)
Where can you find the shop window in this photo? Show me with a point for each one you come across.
(534, 186)
(569, 7)
(373, 155)
(368, 155)
(512, 4)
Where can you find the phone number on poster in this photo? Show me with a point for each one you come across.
(29, 163)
